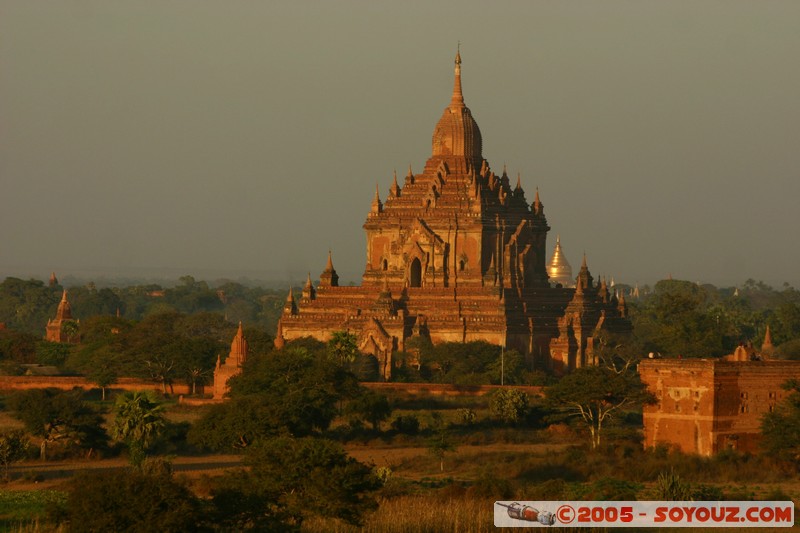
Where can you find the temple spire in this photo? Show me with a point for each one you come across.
(329, 277)
(537, 203)
(395, 189)
(290, 307)
(458, 98)
(377, 206)
(308, 290)
(329, 265)
(767, 348)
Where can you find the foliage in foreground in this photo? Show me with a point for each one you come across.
(131, 500)
(23, 506)
(59, 417)
(781, 428)
(138, 421)
(596, 393)
(290, 390)
(292, 479)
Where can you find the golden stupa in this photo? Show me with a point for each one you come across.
(559, 268)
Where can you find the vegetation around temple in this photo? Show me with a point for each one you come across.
(309, 432)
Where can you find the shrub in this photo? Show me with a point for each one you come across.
(670, 486)
(407, 424)
(466, 416)
(491, 486)
(509, 405)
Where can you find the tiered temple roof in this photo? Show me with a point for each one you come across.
(456, 254)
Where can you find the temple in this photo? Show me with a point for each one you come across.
(706, 406)
(56, 332)
(458, 254)
(232, 366)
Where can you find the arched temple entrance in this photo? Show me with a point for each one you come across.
(416, 273)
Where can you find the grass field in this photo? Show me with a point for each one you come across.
(489, 463)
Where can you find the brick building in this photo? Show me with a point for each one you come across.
(705, 406)
(55, 331)
(232, 365)
(458, 254)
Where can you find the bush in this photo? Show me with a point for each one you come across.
(129, 500)
(466, 416)
(509, 405)
(491, 486)
(407, 424)
(671, 487)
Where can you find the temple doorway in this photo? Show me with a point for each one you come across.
(416, 273)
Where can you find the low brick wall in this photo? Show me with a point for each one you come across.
(11, 383)
(446, 389)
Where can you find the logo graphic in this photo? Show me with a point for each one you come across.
(565, 514)
(525, 512)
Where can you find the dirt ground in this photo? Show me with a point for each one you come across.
(52, 474)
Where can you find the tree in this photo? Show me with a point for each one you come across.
(290, 479)
(370, 406)
(342, 347)
(138, 421)
(103, 373)
(288, 391)
(132, 500)
(677, 320)
(510, 405)
(596, 393)
(70, 329)
(59, 417)
(440, 444)
(508, 369)
(18, 347)
(13, 446)
(780, 429)
(52, 353)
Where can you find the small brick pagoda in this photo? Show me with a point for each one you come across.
(232, 366)
(458, 254)
(55, 331)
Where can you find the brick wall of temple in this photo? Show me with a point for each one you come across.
(704, 406)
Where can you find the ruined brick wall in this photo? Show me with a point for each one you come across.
(706, 405)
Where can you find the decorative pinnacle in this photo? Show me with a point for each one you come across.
(329, 266)
(537, 204)
(458, 98)
(519, 181)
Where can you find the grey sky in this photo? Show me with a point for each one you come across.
(241, 137)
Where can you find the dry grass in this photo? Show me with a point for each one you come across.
(410, 514)
(8, 422)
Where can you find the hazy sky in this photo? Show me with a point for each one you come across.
(245, 138)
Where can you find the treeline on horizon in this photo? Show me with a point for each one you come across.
(194, 323)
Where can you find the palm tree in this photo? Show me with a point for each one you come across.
(138, 421)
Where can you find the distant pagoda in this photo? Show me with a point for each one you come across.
(55, 331)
